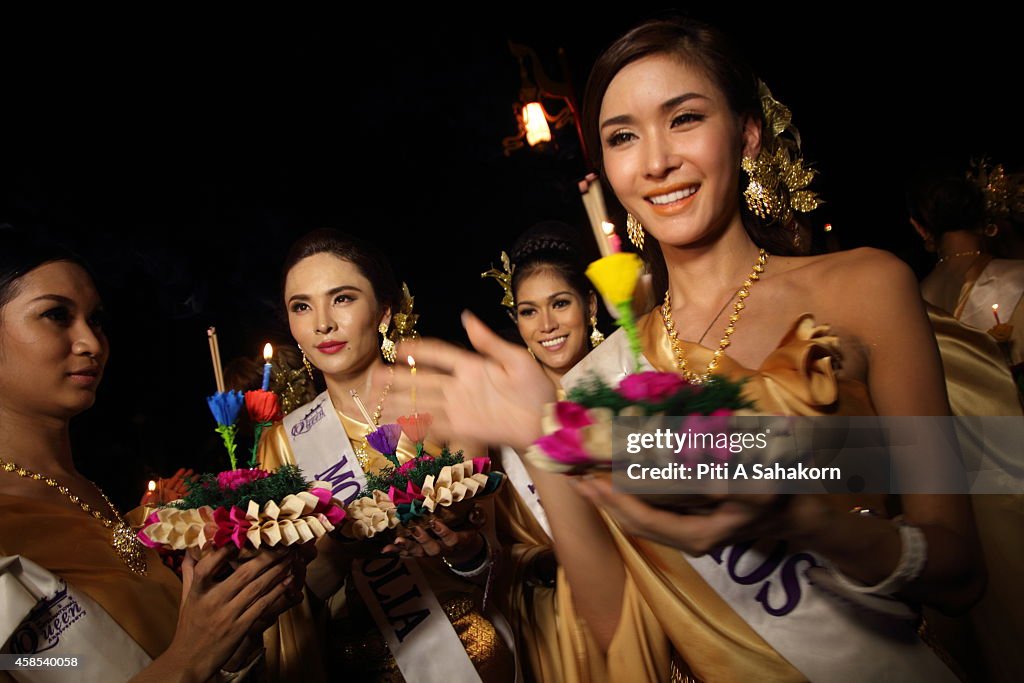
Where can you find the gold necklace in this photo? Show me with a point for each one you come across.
(976, 252)
(361, 455)
(737, 307)
(123, 539)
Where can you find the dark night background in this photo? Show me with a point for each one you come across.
(182, 155)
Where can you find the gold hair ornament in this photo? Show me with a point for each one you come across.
(778, 176)
(504, 278)
(1004, 194)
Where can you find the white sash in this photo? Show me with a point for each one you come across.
(822, 636)
(43, 616)
(398, 595)
(1001, 282)
(523, 484)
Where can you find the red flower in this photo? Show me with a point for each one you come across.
(262, 406)
(416, 426)
(650, 386)
(232, 479)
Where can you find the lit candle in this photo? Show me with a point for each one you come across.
(412, 364)
(614, 243)
(150, 498)
(268, 353)
(995, 312)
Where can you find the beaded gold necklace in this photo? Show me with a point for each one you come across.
(123, 538)
(738, 306)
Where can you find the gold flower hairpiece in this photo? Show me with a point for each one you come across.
(403, 323)
(504, 278)
(1004, 194)
(778, 176)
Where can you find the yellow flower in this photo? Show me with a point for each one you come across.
(615, 276)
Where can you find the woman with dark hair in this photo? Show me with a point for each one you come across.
(75, 582)
(700, 155)
(550, 298)
(342, 300)
(948, 213)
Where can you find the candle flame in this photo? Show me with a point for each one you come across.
(828, 227)
(609, 228)
(995, 307)
(152, 485)
(268, 352)
(411, 361)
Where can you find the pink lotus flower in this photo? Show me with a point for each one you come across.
(650, 386)
(716, 422)
(565, 446)
(232, 479)
(572, 415)
(231, 526)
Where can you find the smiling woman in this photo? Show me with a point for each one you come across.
(553, 304)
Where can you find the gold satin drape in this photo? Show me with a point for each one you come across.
(76, 547)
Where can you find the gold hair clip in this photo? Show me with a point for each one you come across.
(504, 278)
(403, 323)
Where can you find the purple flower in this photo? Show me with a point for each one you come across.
(650, 386)
(385, 438)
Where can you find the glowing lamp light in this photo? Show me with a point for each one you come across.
(151, 486)
(828, 227)
(536, 123)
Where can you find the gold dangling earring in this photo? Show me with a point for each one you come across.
(305, 361)
(387, 347)
(635, 231)
(595, 334)
(756, 194)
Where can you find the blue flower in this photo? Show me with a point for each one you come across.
(225, 406)
(385, 438)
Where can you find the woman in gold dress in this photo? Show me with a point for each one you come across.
(74, 580)
(555, 310)
(685, 133)
(342, 298)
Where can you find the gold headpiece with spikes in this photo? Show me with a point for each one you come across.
(403, 323)
(504, 278)
(1004, 194)
(778, 176)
